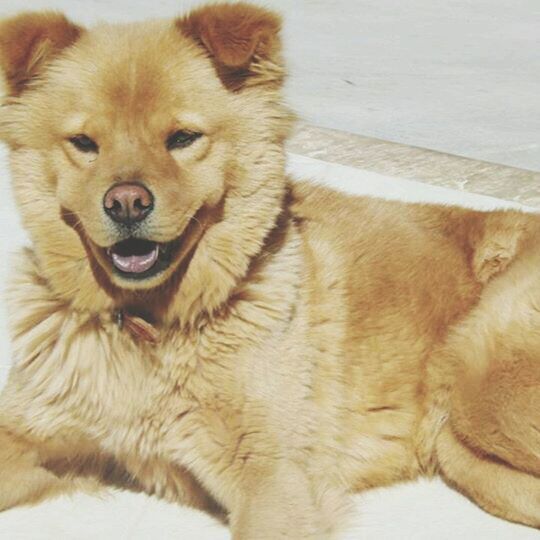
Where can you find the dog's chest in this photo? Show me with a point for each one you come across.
(96, 378)
(84, 374)
(131, 397)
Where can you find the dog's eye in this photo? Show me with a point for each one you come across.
(84, 143)
(181, 139)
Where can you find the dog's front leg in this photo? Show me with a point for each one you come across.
(40, 457)
(24, 478)
(282, 505)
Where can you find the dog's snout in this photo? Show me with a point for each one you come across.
(128, 203)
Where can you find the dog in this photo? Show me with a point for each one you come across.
(193, 323)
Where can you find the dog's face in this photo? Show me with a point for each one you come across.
(135, 135)
(139, 138)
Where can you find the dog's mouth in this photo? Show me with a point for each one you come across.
(142, 263)
(139, 259)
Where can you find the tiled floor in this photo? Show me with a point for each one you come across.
(399, 160)
(459, 76)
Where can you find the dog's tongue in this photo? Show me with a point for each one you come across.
(135, 264)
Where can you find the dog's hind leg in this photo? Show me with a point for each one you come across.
(496, 487)
(491, 365)
(483, 388)
(497, 412)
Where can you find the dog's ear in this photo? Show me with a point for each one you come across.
(242, 40)
(28, 41)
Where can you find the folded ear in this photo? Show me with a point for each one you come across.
(30, 40)
(242, 40)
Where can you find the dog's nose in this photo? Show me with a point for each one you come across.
(128, 203)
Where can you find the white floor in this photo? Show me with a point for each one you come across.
(461, 76)
(418, 511)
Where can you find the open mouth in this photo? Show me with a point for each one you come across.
(140, 259)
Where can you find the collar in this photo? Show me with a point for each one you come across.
(139, 328)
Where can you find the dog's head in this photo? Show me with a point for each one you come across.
(135, 141)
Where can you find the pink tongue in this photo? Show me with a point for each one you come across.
(135, 264)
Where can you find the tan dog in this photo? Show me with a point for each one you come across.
(192, 323)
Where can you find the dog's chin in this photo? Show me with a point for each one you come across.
(139, 263)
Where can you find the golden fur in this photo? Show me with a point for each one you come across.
(311, 343)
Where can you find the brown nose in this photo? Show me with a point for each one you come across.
(128, 203)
